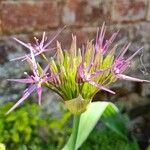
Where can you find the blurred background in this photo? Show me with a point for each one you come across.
(25, 19)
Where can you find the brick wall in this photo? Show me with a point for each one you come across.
(27, 18)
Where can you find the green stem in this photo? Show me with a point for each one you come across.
(76, 122)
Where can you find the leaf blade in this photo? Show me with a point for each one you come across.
(88, 121)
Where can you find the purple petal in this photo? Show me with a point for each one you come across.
(49, 49)
(34, 64)
(131, 57)
(97, 73)
(27, 56)
(112, 38)
(56, 34)
(21, 80)
(81, 70)
(97, 35)
(124, 77)
(35, 54)
(22, 43)
(120, 66)
(109, 42)
(45, 70)
(91, 60)
(39, 91)
(43, 39)
(25, 96)
(101, 36)
(83, 54)
(43, 50)
(101, 87)
(19, 58)
(123, 51)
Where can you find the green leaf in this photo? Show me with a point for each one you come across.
(89, 119)
(148, 148)
(115, 121)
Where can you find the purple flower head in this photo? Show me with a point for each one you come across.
(121, 64)
(76, 74)
(35, 81)
(39, 47)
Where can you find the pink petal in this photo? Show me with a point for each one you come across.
(101, 36)
(43, 39)
(97, 35)
(34, 64)
(43, 50)
(131, 57)
(25, 95)
(112, 38)
(101, 87)
(124, 77)
(97, 73)
(18, 58)
(80, 70)
(22, 43)
(123, 51)
(109, 42)
(45, 70)
(49, 49)
(83, 54)
(39, 91)
(56, 34)
(91, 60)
(21, 80)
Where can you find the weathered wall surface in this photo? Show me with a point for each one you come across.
(25, 19)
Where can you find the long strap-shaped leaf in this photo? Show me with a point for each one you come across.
(116, 122)
(89, 119)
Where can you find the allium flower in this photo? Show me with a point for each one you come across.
(39, 47)
(36, 80)
(120, 65)
(77, 74)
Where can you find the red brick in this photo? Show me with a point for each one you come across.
(148, 13)
(129, 10)
(0, 26)
(22, 16)
(82, 13)
(140, 32)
